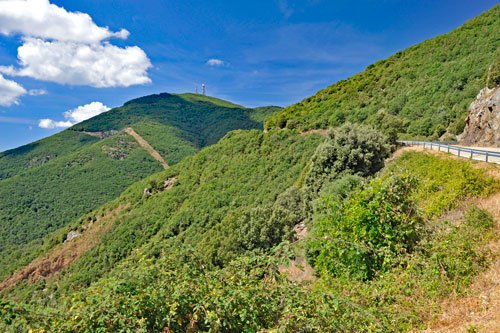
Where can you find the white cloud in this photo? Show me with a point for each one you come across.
(75, 116)
(49, 123)
(10, 91)
(69, 48)
(40, 18)
(85, 112)
(96, 65)
(215, 62)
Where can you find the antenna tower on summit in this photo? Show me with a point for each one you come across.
(203, 89)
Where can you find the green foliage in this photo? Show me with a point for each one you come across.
(214, 192)
(202, 120)
(47, 184)
(208, 252)
(442, 183)
(261, 113)
(365, 233)
(425, 88)
(170, 142)
(492, 76)
(205, 255)
(15, 161)
(351, 148)
(42, 200)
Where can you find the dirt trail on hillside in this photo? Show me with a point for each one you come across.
(479, 309)
(144, 144)
(322, 132)
(63, 255)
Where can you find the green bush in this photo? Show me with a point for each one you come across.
(351, 148)
(366, 233)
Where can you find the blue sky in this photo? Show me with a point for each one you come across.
(263, 52)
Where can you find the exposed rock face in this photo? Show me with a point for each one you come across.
(483, 122)
(72, 235)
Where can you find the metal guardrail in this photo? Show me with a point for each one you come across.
(449, 148)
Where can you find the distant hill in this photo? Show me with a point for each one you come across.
(421, 92)
(46, 184)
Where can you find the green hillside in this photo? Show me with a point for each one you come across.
(423, 91)
(271, 231)
(212, 249)
(49, 183)
(15, 161)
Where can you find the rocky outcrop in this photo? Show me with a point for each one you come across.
(72, 235)
(482, 126)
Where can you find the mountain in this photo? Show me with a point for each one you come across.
(280, 230)
(47, 184)
(421, 92)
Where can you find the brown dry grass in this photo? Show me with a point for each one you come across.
(479, 309)
(322, 132)
(65, 254)
(298, 270)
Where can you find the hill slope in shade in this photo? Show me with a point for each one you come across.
(423, 91)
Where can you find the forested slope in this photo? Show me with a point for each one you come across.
(49, 183)
(206, 243)
(420, 92)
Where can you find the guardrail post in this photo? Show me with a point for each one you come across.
(448, 149)
(471, 154)
(486, 156)
(458, 152)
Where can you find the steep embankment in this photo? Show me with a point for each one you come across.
(482, 127)
(246, 170)
(423, 91)
(477, 308)
(208, 241)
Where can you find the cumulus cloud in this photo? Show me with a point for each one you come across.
(69, 48)
(215, 62)
(75, 116)
(85, 112)
(50, 124)
(40, 18)
(96, 65)
(10, 91)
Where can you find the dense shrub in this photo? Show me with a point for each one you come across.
(367, 232)
(351, 148)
